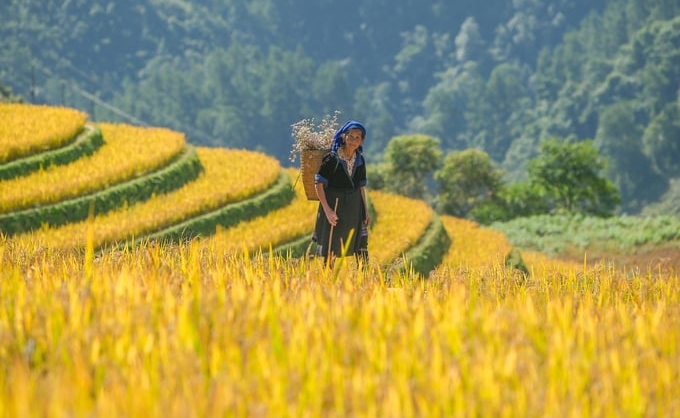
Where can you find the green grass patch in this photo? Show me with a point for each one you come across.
(429, 251)
(83, 144)
(279, 195)
(557, 234)
(182, 169)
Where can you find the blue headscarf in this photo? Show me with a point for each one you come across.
(337, 138)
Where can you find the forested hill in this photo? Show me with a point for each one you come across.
(493, 74)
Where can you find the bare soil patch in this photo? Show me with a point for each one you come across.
(664, 259)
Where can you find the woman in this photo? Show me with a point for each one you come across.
(341, 187)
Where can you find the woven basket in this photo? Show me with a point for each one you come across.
(310, 161)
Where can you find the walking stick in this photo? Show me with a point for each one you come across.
(330, 236)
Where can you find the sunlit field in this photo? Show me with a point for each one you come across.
(188, 330)
(220, 324)
(25, 129)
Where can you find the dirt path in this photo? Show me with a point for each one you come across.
(665, 260)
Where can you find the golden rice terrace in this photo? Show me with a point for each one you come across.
(143, 276)
(137, 185)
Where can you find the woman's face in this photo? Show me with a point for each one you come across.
(353, 139)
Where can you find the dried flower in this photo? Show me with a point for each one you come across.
(308, 135)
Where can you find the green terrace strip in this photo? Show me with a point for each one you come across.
(86, 143)
(184, 168)
(227, 177)
(430, 250)
(128, 152)
(278, 195)
(275, 228)
(29, 129)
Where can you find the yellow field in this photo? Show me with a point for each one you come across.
(220, 183)
(277, 227)
(222, 327)
(26, 129)
(194, 331)
(128, 152)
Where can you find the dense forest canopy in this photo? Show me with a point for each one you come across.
(497, 75)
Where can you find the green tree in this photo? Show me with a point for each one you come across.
(619, 140)
(661, 141)
(507, 100)
(378, 176)
(656, 51)
(373, 104)
(330, 88)
(448, 103)
(6, 95)
(411, 159)
(470, 45)
(467, 179)
(570, 175)
(517, 200)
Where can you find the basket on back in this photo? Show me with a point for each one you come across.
(310, 161)
(312, 142)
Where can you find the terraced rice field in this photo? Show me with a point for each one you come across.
(180, 305)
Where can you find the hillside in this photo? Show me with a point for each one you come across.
(140, 185)
(493, 75)
(144, 185)
(144, 276)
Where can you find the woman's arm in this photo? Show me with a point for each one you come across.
(330, 213)
(363, 197)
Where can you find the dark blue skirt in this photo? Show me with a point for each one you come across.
(351, 217)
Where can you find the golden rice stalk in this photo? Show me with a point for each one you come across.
(182, 330)
(401, 222)
(27, 129)
(473, 245)
(228, 177)
(478, 247)
(128, 152)
(277, 227)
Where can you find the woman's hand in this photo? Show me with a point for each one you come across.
(331, 216)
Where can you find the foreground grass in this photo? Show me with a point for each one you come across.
(187, 331)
